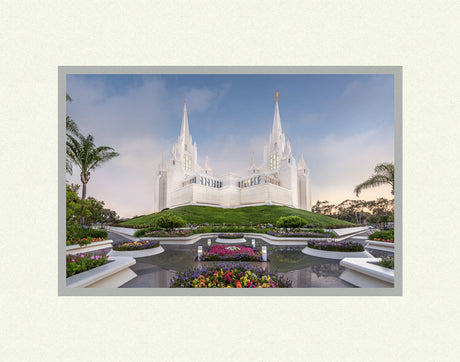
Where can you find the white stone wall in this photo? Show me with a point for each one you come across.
(230, 196)
(255, 194)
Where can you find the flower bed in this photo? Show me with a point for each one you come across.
(80, 263)
(336, 246)
(164, 233)
(384, 235)
(300, 234)
(83, 241)
(230, 236)
(224, 276)
(134, 245)
(231, 253)
(388, 262)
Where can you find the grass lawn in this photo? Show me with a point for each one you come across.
(265, 214)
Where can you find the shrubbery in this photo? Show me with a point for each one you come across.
(142, 232)
(290, 222)
(170, 222)
(335, 246)
(384, 235)
(82, 235)
(388, 262)
(82, 262)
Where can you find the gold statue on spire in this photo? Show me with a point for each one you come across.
(276, 94)
(184, 100)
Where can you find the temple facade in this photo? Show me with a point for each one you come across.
(279, 181)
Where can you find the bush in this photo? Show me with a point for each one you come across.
(384, 235)
(83, 235)
(335, 246)
(170, 222)
(290, 222)
(388, 262)
(142, 232)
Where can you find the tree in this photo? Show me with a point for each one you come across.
(76, 210)
(71, 129)
(384, 174)
(83, 152)
(100, 214)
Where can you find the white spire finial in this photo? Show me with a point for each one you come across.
(184, 131)
(276, 130)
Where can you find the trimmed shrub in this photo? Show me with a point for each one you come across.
(290, 222)
(170, 222)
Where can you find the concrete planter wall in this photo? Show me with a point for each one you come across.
(98, 245)
(364, 273)
(231, 241)
(380, 245)
(110, 275)
(337, 255)
(138, 253)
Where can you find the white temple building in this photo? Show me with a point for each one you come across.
(279, 181)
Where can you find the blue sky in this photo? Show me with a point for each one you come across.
(343, 125)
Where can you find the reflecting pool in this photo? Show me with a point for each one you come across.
(303, 270)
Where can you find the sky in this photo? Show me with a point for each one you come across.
(342, 124)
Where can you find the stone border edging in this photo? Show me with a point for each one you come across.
(380, 245)
(110, 275)
(138, 253)
(364, 274)
(337, 255)
(98, 245)
(230, 241)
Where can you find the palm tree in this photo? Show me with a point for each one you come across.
(384, 174)
(71, 129)
(83, 152)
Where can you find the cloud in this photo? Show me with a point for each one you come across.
(125, 183)
(337, 164)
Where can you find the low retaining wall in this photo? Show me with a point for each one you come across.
(380, 245)
(98, 245)
(231, 241)
(364, 273)
(138, 253)
(337, 255)
(110, 275)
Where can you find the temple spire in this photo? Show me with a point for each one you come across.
(276, 130)
(184, 131)
(302, 164)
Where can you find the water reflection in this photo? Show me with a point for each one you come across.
(303, 270)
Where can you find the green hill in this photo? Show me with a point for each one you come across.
(252, 215)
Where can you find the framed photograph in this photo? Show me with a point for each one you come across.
(228, 181)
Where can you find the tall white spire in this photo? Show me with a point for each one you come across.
(302, 164)
(184, 131)
(276, 130)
